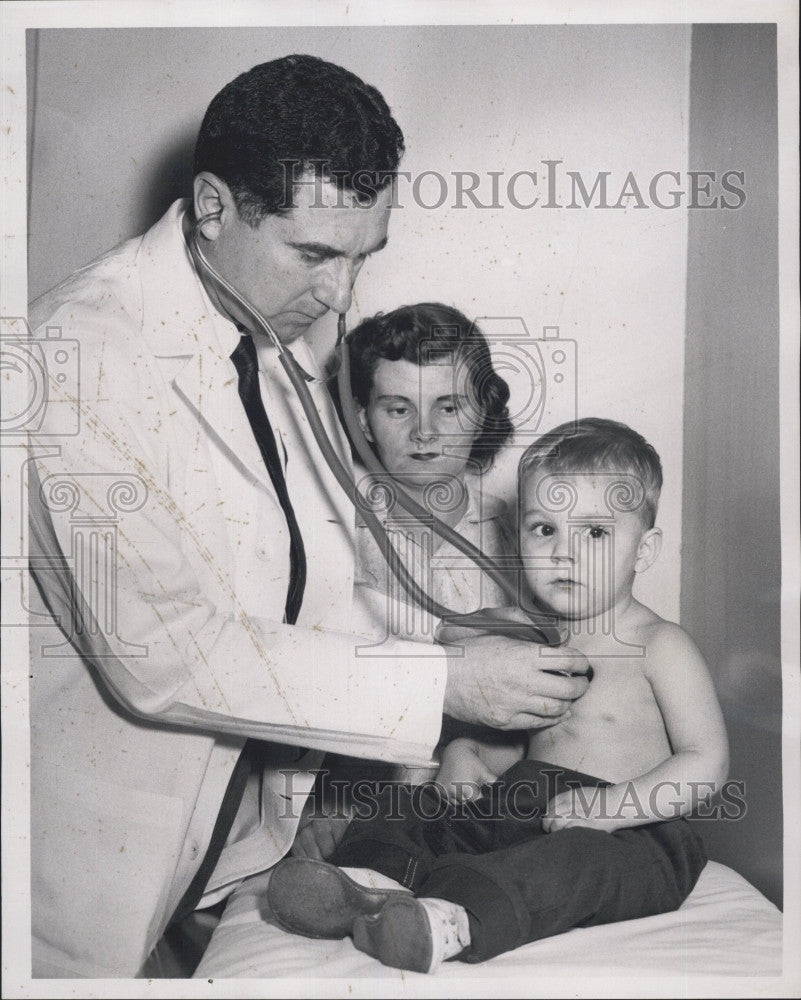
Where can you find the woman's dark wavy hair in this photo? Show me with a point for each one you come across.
(293, 115)
(428, 333)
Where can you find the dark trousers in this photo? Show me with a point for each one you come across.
(517, 883)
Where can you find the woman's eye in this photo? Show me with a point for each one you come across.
(541, 530)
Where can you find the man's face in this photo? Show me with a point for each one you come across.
(579, 561)
(414, 419)
(295, 267)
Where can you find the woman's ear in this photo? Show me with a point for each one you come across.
(648, 549)
(213, 199)
(361, 413)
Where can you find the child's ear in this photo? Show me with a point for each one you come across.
(648, 549)
(361, 413)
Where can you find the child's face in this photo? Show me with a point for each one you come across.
(580, 561)
(420, 420)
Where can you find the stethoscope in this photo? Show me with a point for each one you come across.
(539, 629)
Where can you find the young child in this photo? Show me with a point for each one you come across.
(583, 825)
(434, 409)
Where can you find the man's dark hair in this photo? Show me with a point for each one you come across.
(292, 116)
(432, 333)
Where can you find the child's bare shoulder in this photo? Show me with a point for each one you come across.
(665, 642)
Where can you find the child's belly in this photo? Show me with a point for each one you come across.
(615, 731)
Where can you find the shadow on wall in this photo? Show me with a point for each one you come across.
(169, 178)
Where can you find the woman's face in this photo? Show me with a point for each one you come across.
(421, 420)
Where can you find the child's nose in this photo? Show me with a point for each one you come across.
(560, 549)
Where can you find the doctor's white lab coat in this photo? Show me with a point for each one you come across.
(168, 522)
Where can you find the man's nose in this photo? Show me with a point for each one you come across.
(333, 287)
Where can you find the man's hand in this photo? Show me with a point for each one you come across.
(507, 684)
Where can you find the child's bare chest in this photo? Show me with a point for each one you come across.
(615, 730)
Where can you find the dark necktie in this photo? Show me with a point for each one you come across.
(252, 756)
(246, 364)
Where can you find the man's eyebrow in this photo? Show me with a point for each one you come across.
(329, 252)
(390, 396)
(319, 249)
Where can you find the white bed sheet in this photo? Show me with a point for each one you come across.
(726, 928)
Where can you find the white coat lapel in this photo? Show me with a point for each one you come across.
(179, 322)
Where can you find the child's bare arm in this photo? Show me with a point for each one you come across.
(468, 763)
(699, 763)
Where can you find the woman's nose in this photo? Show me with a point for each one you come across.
(423, 429)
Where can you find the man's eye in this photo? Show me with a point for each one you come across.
(398, 411)
(311, 258)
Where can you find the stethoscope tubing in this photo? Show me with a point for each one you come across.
(538, 630)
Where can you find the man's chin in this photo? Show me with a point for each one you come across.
(286, 330)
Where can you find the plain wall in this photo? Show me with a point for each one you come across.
(731, 561)
(115, 112)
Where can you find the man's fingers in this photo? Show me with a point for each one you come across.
(529, 722)
(556, 679)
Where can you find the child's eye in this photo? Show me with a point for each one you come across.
(541, 530)
(597, 531)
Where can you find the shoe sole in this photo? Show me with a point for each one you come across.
(319, 900)
(398, 936)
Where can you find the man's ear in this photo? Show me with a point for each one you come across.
(361, 413)
(212, 197)
(649, 548)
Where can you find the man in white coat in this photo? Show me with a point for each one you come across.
(163, 636)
